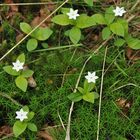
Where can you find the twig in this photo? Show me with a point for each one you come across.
(22, 4)
(57, 48)
(77, 83)
(11, 99)
(101, 91)
(135, 5)
(33, 30)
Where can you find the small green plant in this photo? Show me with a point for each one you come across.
(78, 22)
(24, 116)
(40, 34)
(18, 70)
(117, 26)
(86, 93)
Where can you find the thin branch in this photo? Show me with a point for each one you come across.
(22, 4)
(77, 83)
(11, 99)
(101, 91)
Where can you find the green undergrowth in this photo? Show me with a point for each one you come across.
(49, 98)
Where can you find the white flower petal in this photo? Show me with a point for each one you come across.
(91, 77)
(21, 115)
(73, 14)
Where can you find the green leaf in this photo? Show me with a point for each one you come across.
(21, 58)
(106, 33)
(117, 29)
(9, 70)
(89, 97)
(25, 108)
(81, 90)
(25, 27)
(88, 86)
(109, 15)
(75, 97)
(27, 73)
(42, 33)
(119, 42)
(61, 20)
(75, 35)
(67, 32)
(124, 23)
(65, 10)
(32, 127)
(19, 128)
(21, 83)
(98, 18)
(30, 116)
(89, 2)
(96, 95)
(84, 21)
(133, 43)
(32, 44)
(44, 45)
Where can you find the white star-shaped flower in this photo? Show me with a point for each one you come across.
(119, 11)
(17, 65)
(21, 115)
(73, 14)
(91, 77)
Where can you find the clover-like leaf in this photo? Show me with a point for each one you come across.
(75, 97)
(42, 33)
(32, 127)
(25, 27)
(119, 42)
(88, 86)
(109, 15)
(84, 21)
(32, 44)
(133, 43)
(89, 97)
(19, 127)
(61, 19)
(21, 58)
(75, 35)
(99, 19)
(27, 73)
(106, 33)
(21, 83)
(11, 71)
(117, 29)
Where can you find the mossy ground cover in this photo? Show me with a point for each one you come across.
(56, 73)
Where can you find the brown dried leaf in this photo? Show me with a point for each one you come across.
(43, 13)
(133, 55)
(5, 130)
(124, 104)
(31, 81)
(45, 135)
(19, 37)
(13, 8)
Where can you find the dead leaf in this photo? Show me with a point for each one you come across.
(43, 13)
(13, 8)
(124, 104)
(19, 37)
(44, 135)
(31, 81)
(49, 132)
(133, 55)
(5, 130)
